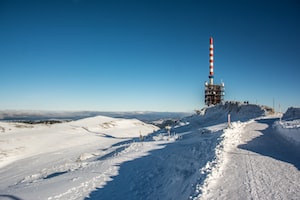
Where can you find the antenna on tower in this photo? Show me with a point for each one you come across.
(214, 93)
(211, 61)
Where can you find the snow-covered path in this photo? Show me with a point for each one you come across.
(260, 166)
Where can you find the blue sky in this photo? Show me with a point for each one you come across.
(146, 55)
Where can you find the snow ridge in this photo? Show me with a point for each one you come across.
(230, 138)
(109, 158)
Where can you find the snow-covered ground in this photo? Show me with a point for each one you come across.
(68, 160)
(254, 161)
(106, 158)
(289, 126)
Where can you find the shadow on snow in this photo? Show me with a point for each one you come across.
(6, 196)
(168, 173)
(272, 145)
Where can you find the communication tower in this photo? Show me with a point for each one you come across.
(214, 93)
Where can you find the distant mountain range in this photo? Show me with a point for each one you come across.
(14, 115)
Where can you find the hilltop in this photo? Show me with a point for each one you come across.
(115, 158)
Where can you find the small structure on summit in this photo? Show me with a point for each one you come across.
(214, 93)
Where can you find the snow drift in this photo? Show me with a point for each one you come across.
(219, 113)
(289, 126)
(291, 114)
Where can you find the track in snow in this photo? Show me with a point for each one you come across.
(263, 166)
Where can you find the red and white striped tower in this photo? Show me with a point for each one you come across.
(211, 61)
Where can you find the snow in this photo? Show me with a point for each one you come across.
(253, 163)
(20, 140)
(112, 158)
(289, 127)
(291, 114)
(33, 156)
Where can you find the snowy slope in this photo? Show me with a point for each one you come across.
(21, 140)
(291, 114)
(289, 127)
(49, 159)
(219, 114)
(105, 158)
(253, 163)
